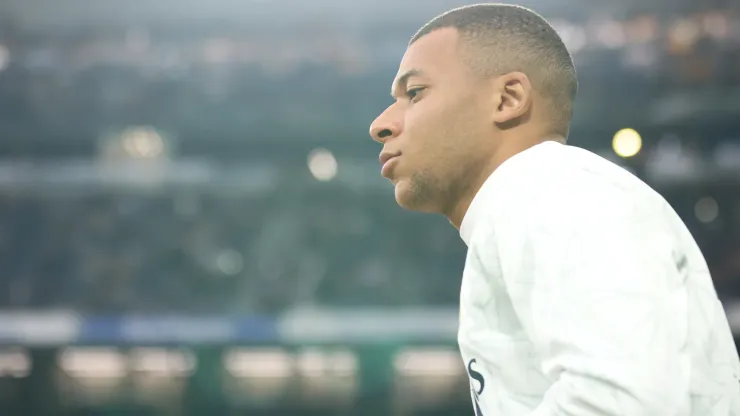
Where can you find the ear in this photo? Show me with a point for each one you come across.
(513, 93)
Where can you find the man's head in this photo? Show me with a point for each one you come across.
(475, 82)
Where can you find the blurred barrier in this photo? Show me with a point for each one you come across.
(368, 326)
(428, 325)
(178, 330)
(39, 328)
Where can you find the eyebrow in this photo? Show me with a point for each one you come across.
(403, 79)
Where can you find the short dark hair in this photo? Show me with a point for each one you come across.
(501, 38)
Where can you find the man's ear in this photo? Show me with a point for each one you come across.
(513, 99)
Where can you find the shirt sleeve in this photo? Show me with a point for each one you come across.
(596, 282)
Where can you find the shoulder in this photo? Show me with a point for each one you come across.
(572, 189)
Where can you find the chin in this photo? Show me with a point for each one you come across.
(403, 197)
(408, 197)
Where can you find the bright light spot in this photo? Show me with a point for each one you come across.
(706, 210)
(574, 37)
(611, 34)
(428, 362)
(627, 143)
(642, 29)
(322, 164)
(14, 363)
(162, 362)
(93, 363)
(682, 35)
(269, 363)
(312, 364)
(317, 363)
(142, 142)
(230, 262)
(716, 25)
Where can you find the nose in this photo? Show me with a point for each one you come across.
(384, 128)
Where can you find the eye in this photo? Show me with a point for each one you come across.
(413, 93)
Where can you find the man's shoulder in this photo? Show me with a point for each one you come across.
(574, 186)
(569, 186)
(576, 174)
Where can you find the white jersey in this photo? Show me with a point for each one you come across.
(584, 294)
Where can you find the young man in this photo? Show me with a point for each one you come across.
(583, 292)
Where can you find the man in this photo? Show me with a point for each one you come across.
(583, 292)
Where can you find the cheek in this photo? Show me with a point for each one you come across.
(427, 123)
(436, 135)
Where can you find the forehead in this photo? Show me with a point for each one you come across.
(436, 54)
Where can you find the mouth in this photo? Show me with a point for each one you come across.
(387, 156)
(388, 162)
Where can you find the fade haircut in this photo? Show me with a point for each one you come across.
(498, 38)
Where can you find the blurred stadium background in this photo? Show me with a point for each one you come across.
(192, 219)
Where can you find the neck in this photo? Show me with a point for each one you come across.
(458, 210)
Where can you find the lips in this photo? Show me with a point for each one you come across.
(387, 159)
(386, 156)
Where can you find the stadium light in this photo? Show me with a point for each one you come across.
(322, 164)
(627, 143)
(142, 142)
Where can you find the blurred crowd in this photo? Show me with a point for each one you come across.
(197, 253)
(276, 97)
(74, 84)
(209, 253)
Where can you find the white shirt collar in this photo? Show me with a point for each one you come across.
(477, 206)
